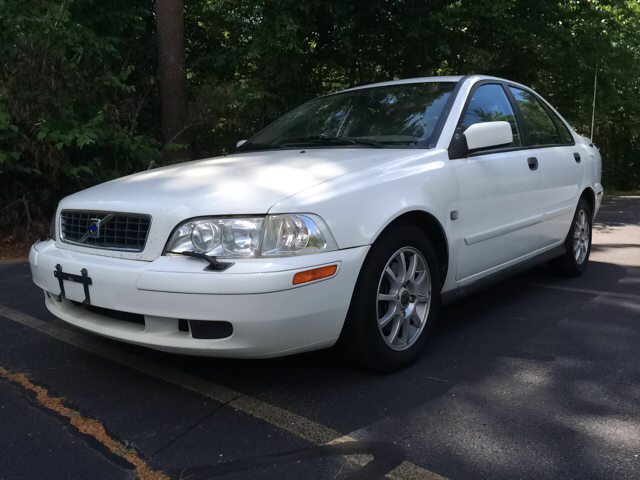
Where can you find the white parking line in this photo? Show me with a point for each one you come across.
(279, 417)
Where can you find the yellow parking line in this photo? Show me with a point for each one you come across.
(628, 296)
(281, 418)
(404, 471)
(87, 426)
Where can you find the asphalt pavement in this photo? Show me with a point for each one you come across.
(537, 377)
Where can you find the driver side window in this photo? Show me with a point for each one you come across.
(489, 103)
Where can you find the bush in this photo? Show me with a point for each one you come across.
(76, 105)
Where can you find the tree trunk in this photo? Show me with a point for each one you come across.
(172, 76)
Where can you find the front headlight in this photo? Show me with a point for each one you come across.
(296, 235)
(218, 237)
(273, 235)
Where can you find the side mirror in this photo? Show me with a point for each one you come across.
(488, 134)
(481, 136)
(240, 143)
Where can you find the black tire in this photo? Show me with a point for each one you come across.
(361, 341)
(568, 264)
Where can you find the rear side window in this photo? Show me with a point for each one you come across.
(542, 130)
(565, 135)
(489, 103)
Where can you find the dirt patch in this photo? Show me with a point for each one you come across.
(87, 426)
(12, 259)
(13, 250)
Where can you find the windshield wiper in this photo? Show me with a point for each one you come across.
(214, 264)
(322, 140)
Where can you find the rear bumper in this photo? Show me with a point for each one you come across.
(270, 317)
(599, 191)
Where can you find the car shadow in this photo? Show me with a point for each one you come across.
(491, 324)
(524, 365)
(541, 368)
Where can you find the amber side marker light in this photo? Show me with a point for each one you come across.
(315, 274)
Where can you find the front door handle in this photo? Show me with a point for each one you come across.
(533, 163)
(576, 155)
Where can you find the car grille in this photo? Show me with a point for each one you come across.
(111, 230)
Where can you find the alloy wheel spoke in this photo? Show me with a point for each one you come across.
(387, 297)
(402, 268)
(392, 276)
(422, 298)
(422, 275)
(395, 329)
(417, 321)
(411, 270)
(406, 330)
(387, 317)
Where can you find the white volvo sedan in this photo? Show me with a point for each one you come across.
(347, 221)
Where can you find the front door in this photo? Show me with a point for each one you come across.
(500, 218)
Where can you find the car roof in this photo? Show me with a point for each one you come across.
(452, 78)
(473, 78)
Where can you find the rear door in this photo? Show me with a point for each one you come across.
(500, 191)
(553, 146)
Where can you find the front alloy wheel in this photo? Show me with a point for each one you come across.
(395, 301)
(404, 294)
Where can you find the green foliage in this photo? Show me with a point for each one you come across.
(250, 60)
(79, 104)
(74, 103)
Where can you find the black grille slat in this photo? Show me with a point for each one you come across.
(122, 231)
(115, 314)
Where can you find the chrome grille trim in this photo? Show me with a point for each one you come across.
(121, 231)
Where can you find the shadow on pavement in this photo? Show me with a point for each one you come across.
(525, 379)
(618, 212)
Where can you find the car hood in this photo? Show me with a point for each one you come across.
(248, 183)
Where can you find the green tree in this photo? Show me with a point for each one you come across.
(79, 98)
(75, 109)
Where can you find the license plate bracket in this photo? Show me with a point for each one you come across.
(83, 278)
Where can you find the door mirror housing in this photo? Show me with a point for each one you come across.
(240, 143)
(488, 135)
(481, 136)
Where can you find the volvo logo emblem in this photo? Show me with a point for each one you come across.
(94, 227)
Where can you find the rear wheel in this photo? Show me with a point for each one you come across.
(394, 303)
(577, 244)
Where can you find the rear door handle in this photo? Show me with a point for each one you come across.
(576, 155)
(533, 163)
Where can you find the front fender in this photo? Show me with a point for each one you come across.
(358, 206)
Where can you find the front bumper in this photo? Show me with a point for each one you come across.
(269, 315)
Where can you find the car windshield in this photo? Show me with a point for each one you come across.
(402, 115)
